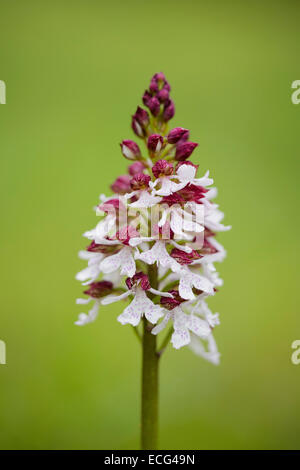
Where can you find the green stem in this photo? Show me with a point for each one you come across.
(149, 391)
(149, 380)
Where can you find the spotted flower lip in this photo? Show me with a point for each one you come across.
(161, 219)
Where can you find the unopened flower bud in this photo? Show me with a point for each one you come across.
(146, 97)
(176, 134)
(153, 86)
(184, 258)
(184, 150)
(140, 181)
(121, 185)
(130, 149)
(154, 106)
(163, 95)
(159, 77)
(101, 248)
(99, 289)
(136, 167)
(155, 142)
(162, 168)
(169, 110)
(140, 279)
(140, 121)
(170, 303)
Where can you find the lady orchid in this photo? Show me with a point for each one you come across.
(155, 246)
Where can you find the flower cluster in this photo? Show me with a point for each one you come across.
(155, 244)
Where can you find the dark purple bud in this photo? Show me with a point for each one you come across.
(167, 86)
(184, 150)
(100, 248)
(170, 303)
(121, 185)
(177, 134)
(140, 121)
(159, 77)
(140, 181)
(135, 168)
(162, 168)
(130, 149)
(169, 110)
(140, 279)
(146, 97)
(142, 116)
(153, 86)
(155, 142)
(184, 258)
(111, 205)
(163, 95)
(154, 106)
(99, 289)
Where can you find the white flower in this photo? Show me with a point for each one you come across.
(123, 260)
(201, 308)
(90, 274)
(158, 254)
(103, 229)
(213, 217)
(145, 199)
(188, 280)
(167, 186)
(181, 221)
(183, 324)
(140, 305)
(83, 318)
(187, 175)
(210, 352)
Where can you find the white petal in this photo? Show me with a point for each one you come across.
(186, 172)
(83, 318)
(83, 301)
(166, 187)
(123, 259)
(146, 200)
(111, 299)
(198, 326)
(211, 354)
(161, 293)
(162, 325)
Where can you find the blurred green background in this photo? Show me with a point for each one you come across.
(75, 71)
